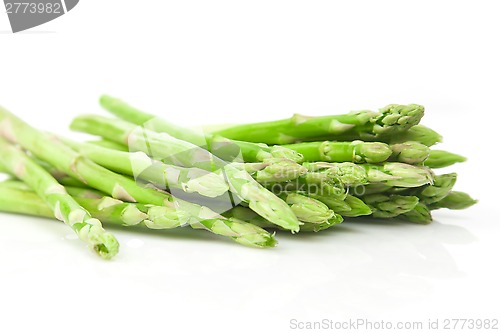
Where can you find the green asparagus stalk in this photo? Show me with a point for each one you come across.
(418, 133)
(75, 192)
(411, 152)
(427, 194)
(244, 213)
(13, 183)
(347, 173)
(350, 206)
(314, 227)
(420, 214)
(106, 209)
(242, 232)
(441, 187)
(308, 209)
(398, 174)
(260, 152)
(355, 151)
(128, 214)
(240, 182)
(17, 199)
(442, 158)
(141, 166)
(108, 144)
(358, 125)
(61, 204)
(273, 170)
(388, 174)
(375, 188)
(61, 177)
(386, 206)
(90, 193)
(312, 183)
(216, 144)
(53, 151)
(454, 200)
(23, 201)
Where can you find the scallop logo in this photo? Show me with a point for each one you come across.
(26, 14)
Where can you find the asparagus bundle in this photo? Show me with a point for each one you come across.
(168, 148)
(235, 182)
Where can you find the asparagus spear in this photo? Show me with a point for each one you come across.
(358, 125)
(312, 183)
(454, 200)
(411, 152)
(24, 201)
(331, 178)
(108, 144)
(257, 152)
(314, 227)
(418, 133)
(308, 209)
(53, 151)
(350, 206)
(438, 190)
(273, 170)
(242, 232)
(355, 151)
(374, 188)
(139, 165)
(128, 214)
(62, 205)
(18, 199)
(13, 183)
(244, 213)
(398, 174)
(106, 209)
(385, 206)
(420, 214)
(216, 144)
(428, 194)
(347, 173)
(442, 158)
(60, 176)
(162, 145)
(389, 173)
(75, 191)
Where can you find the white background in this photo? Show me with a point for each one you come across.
(199, 62)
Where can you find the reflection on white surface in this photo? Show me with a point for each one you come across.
(362, 268)
(380, 262)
